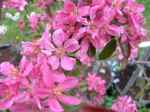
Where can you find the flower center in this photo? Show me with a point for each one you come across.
(92, 26)
(60, 52)
(14, 72)
(5, 95)
(57, 91)
(36, 50)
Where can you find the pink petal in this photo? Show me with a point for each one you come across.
(54, 62)
(41, 58)
(108, 15)
(134, 22)
(6, 105)
(51, 76)
(46, 39)
(84, 11)
(69, 83)
(140, 8)
(28, 70)
(59, 37)
(96, 41)
(24, 107)
(23, 62)
(55, 106)
(101, 3)
(115, 30)
(22, 97)
(84, 46)
(69, 100)
(71, 45)
(69, 6)
(67, 63)
(58, 76)
(6, 68)
(41, 92)
(93, 11)
(47, 76)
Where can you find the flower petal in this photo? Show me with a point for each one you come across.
(59, 37)
(29, 106)
(6, 105)
(28, 70)
(7, 68)
(55, 106)
(67, 63)
(71, 45)
(69, 100)
(115, 30)
(69, 6)
(23, 62)
(84, 11)
(54, 62)
(51, 76)
(69, 83)
(47, 76)
(58, 76)
(46, 39)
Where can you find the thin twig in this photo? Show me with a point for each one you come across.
(142, 62)
(133, 78)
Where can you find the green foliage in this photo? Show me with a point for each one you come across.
(108, 101)
(108, 50)
(144, 109)
(147, 11)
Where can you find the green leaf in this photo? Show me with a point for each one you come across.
(76, 72)
(92, 51)
(108, 50)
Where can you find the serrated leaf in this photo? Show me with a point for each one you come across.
(108, 50)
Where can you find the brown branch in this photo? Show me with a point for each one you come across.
(138, 72)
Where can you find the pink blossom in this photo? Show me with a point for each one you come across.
(103, 20)
(82, 54)
(21, 24)
(16, 4)
(41, 81)
(13, 74)
(7, 95)
(67, 22)
(34, 21)
(70, 15)
(124, 104)
(58, 50)
(29, 106)
(96, 83)
(30, 48)
(49, 74)
(44, 3)
(8, 69)
(56, 94)
(25, 67)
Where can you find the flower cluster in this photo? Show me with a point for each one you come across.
(44, 3)
(124, 104)
(35, 85)
(15, 4)
(43, 80)
(34, 21)
(95, 22)
(96, 83)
